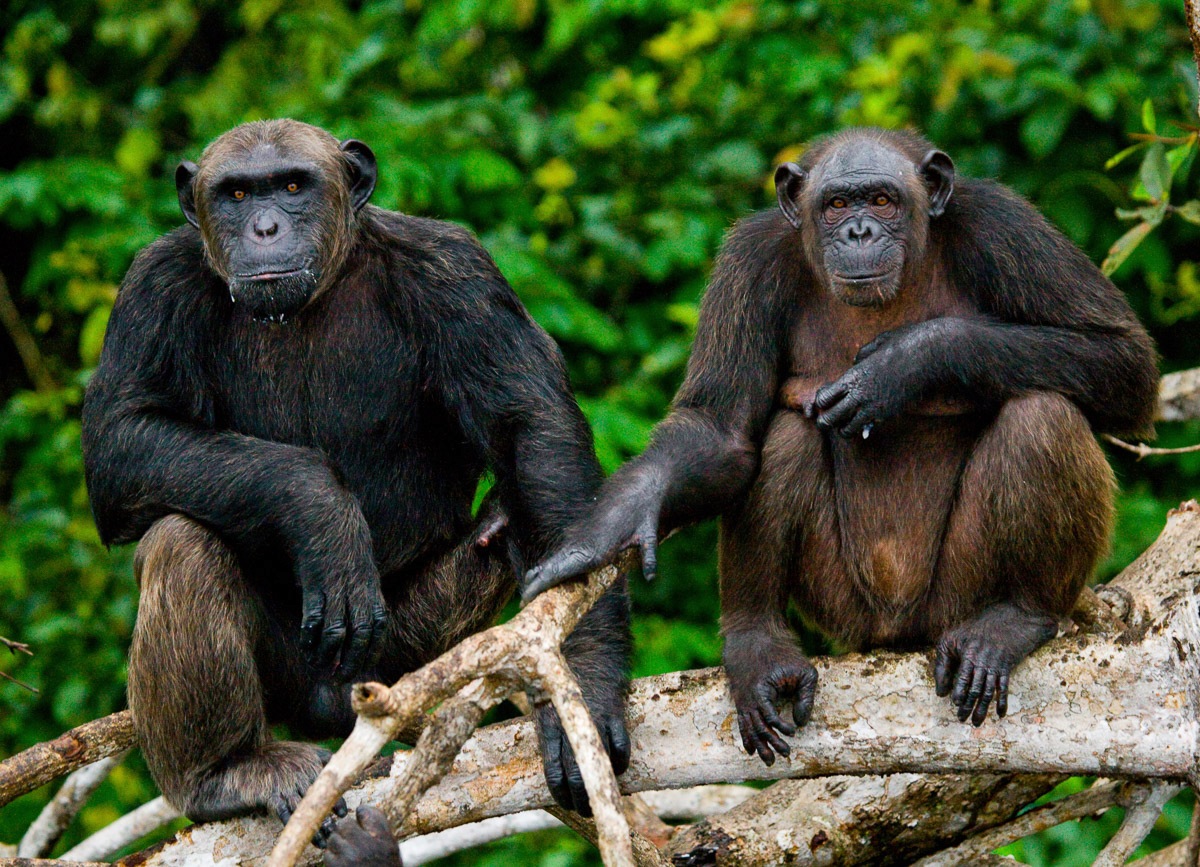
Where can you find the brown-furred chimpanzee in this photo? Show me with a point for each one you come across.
(891, 401)
(298, 395)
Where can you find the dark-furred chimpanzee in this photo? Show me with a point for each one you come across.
(297, 397)
(891, 400)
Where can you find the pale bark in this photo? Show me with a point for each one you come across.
(1121, 700)
(56, 816)
(127, 830)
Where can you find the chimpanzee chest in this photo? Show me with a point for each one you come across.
(893, 491)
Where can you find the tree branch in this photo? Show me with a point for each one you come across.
(81, 746)
(57, 815)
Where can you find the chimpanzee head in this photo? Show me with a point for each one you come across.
(275, 202)
(862, 201)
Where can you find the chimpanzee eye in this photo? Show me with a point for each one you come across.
(838, 203)
(293, 187)
(882, 200)
(239, 194)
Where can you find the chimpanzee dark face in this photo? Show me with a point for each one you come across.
(276, 212)
(864, 211)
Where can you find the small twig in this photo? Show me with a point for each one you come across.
(1142, 810)
(1192, 859)
(438, 746)
(16, 646)
(81, 746)
(27, 348)
(645, 853)
(1099, 797)
(1191, 10)
(19, 683)
(130, 828)
(57, 815)
(1143, 451)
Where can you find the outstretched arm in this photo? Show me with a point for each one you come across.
(150, 450)
(703, 456)
(1049, 320)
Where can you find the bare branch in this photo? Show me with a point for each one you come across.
(1143, 451)
(1090, 801)
(1142, 810)
(57, 815)
(127, 830)
(16, 646)
(1192, 13)
(81, 746)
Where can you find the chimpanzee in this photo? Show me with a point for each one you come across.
(891, 401)
(298, 396)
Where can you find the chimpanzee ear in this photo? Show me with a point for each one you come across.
(185, 177)
(789, 180)
(363, 171)
(938, 171)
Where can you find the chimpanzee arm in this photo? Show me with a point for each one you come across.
(150, 450)
(1049, 321)
(703, 456)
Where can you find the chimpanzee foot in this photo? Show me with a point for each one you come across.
(983, 652)
(363, 840)
(762, 672)
(273, 778)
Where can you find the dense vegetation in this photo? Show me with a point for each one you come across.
(599, 148)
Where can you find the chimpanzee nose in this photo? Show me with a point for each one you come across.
(861, 231)
(266, 225)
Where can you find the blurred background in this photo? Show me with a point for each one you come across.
(600, 149)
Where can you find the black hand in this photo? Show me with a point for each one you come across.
(889, 374)
(563, 776)
(621, 519)
(285, 803)
(975, 660)
(762, 674)
(343, 611)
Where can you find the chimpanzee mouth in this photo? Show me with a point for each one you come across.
(273, 296)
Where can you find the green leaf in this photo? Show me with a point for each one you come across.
(1190, 211)
(1125, 245)
(1156, 172)
(1148, 123)
(1043, 128)
(1132, 149)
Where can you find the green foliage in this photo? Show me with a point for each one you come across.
(600, 150)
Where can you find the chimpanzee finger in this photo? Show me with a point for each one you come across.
(766, 707)
(313, 616)
(764, 732)
(649, 546)
(333, 637)
(746, 730)
(579, 795)
(566, 564)
(556, 778)
(856, 424)
(803, 705)
(985, 699)
(762, 744)
(323, 833)
(340, 809)
(282, 807)
(945, 666)
(838, 415)
(828, 395)
(1002, 695)
(871, 347)
(978, 679)
(617, 743)
(961, 683)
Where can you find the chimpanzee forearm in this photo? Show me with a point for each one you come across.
(1108, 375)
(142, 465)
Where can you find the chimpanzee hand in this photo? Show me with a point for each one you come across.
(984, 652)
(363, 840)
(889, 374)
(763, 671)
(342, 608)
(563, 777)
(625, 516)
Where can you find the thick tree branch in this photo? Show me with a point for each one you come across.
(56, 816)
(81, 746)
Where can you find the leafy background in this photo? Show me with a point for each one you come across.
(600, 148)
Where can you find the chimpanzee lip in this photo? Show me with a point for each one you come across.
(271, 275)
(861, 278)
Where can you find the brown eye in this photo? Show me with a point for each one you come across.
(838, 203)
(882, 200)
(293, 187)
(239, 194)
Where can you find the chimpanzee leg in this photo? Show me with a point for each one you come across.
(782, 542)
(1032, 519)
(195, 687)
